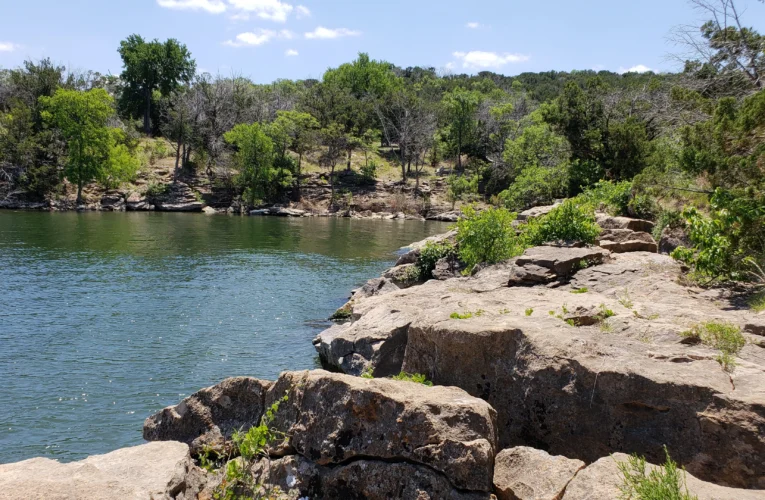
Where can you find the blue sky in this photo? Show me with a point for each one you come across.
(270, 39)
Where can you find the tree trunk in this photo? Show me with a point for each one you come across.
(348, 168)
(147, 112)
(79, 191)
(177, 161)
(188, 155)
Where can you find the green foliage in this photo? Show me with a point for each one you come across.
(430, 255)
(487, 237)
(368, 373)
(611, 197)
(121, 165)
(726, 337)
(460, 107)
(605, 312)
(417, 378)
(529, 311)
(668, 219)
(465, 315)
(461, 187)
(157, 190)
(729, 243)
(536, 186)
(580, 290)
(757, 302)
(665, 483)
(570, 222)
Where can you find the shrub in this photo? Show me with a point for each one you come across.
(726, 337)
(369, 172)
(611, 197)
(487, 237)
(757, 302)
(569, 223)
(417, 378)
(727, 245)
(580, 290)
(666, 483)
(529, 311)
(643, 207)
(461, 187)
(667, 219)
(157, 190)
(430, 255)
(535, 186)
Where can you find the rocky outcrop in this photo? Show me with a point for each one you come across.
(619, 381)
(113, 202)
(535, 212)
(627, 240)
(527, 474)
(416, 435)
(672, 238)
(606, 221)
(603, 479)
(279, 211)
(207, 418)
(149, 472)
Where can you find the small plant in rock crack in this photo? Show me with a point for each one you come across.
(504, 311)
(660, 483)
(625, 300)
(529, 311)
(239, 482)
(724, 336)
(368, 373)
(584, 289)
(417, 378)
(467, 314)
(605, 312)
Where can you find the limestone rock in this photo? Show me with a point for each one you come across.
(672, 238)
(452, 216)
(606, 221)
(535, 212)
(152, 471)
(209, 211)
(527, 474)
(626, 240)
(756, 326)
(113, 202)
(210, 416)
(334, 419)
(286, 212)
(136, 203)
(602, 480)
(545, 264)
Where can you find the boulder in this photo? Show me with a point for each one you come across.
(545, 264)
(755, 326)
(207, 418)
(335, 419)
(527, 474)
(535, 212)
(286, 212)
(606, 221)
(452, 216)
(113, 202)
(626, 240)
(260, 211)
(376, 286)
(672, 238)
(184, 206)
(603, 480)
(209, 211)
(151, 471)
(136, 203)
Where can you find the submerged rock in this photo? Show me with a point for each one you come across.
(152, 471)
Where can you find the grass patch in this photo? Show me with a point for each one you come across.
(584, 289)
(529, 311)
(605, 312)
(417, 378)
(467, 314)
(666, 483)
(726, 337)
(625, 299)
(757, 302)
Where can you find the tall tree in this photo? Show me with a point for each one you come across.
(461, 107)
(153, 66)
(81, 118)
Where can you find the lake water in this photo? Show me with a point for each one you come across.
(105, 318)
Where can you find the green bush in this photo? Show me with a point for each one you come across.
(487, 237)
(726, 337)
(461, 187)
(611, 197)
(570, 222)
(430, 255)
(667, 219)
(666, 483)
(157, 190)
(369, 172)
(535, 186)
(727, 245)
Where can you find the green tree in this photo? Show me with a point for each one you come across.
(121, 164)
(81, 119)
(254, 158)
(460, 107)
(153, 66)
(302, 132)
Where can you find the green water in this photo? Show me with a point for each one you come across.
(106, 318)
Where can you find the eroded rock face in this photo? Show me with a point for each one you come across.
(336, 419)
(672, 238)
(603, 479)
(209, 417)
(152, 471)
(527, 474)
(547, 264)
(606, 221)
(535, 212)
(626, 240)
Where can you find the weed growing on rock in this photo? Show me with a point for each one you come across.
(605, 312)
(465, 315)
(584, 289)
(529, 311)
(570, 222)
(757, 302)
(665, 483)
(342, 314)
(571, 322)
(504, 311)
(367, 373)
(726, 337)
(606, 327)
(625, 299)
(487, 237)
(417, 378)
(429, 257)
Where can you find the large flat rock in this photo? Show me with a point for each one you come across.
(524, 473)
(152, 471)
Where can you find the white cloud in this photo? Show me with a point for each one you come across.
(292, 53)
(477, 59)
(8, 47)
(323, 33)
(286, 34)
(241, 16)
(273, 10)
(251, 39)
(303, 11)
(212, 6)
(473, 25)
(640, 68)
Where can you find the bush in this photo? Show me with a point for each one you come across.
(430, 255)
(461, 187)
(667, 219)
(535, 186)
(417, 378)
(157, 190)
(728, 245)
(369, 172)
(568, 223)
(610, 197)
(666, 483)
(726, 337)
(487, 237)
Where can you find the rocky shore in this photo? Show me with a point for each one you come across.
(548, 370)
